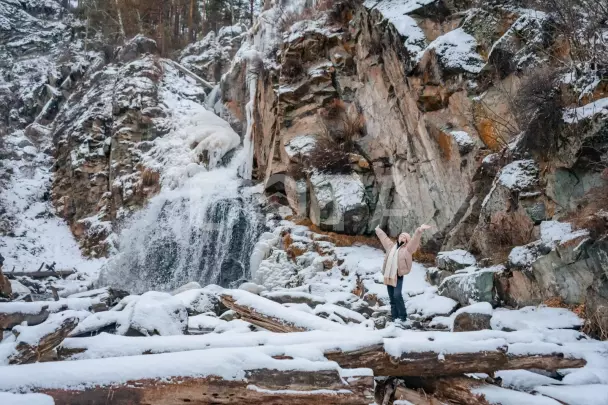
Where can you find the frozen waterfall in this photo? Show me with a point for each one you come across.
(203, 231)
(204, 223)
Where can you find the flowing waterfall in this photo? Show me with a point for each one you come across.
(204, 231)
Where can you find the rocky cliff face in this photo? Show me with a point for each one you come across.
(450, 113)
(415, 101)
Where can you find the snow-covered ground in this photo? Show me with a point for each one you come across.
(36, 234)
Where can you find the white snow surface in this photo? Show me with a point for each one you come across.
(519, 175)
(159, 313)
(553, 233)
(573, 115)
(457, 50)
(591, 394)
(502, 396)
(39, 235)
(458, 256)
(524, 380)
(204, 322)
(229, 364)
(477, 308)
(535, 318)
(8, 398)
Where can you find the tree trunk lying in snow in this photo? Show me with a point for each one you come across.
(271, 315)
(29, 352)
(430, 364)
(230, 376)
(458, 390)
(13, 317)
(41, 274)
(415, 397)
(475, 356)
(268, 387)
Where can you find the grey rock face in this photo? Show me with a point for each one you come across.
(467, 322)
(473, 286)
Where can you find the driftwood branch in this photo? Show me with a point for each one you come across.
(9, 319)
(29, 352)
(40, 274)
(189, 73)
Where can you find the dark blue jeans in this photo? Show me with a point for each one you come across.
(396, 297)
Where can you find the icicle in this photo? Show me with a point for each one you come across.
(246, 170)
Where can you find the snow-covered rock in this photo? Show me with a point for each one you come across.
(203, 324)
(520, 175)
(199, 301)
(473, 317)
(156, 313)
(472, 285)
(457, 52)
(338, 314)
(252, 288)
(429, 304)
(339, 202)
(276, 271)
(455, 260)
(193, 285)
(535, 318)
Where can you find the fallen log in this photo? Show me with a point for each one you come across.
(40, 274)
(15, 315)
(273, 316)
(189, 73)
(34, 342)
(458, 390)
(34, 313)
(415, 397)
(217, 376)
(367, 349)
(432, 363)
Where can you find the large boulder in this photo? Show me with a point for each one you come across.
(455, 260)
(138, 45)
(504, 219)
(472, 285)
(474, 317)
(339, 202)
(199, 301)
(157, 313)
(562, 264)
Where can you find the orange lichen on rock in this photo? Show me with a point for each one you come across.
(488, 134)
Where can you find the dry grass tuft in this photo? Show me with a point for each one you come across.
(338, 239)
(424, 257)
(293, 251)
(150, 177)
(591, 213)
(596, 323)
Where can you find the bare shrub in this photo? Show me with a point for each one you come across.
(328, 157)
(353, 125)
(596, 323)
(581, 23)
(292, 68)
(538, 109)
(290, 17)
